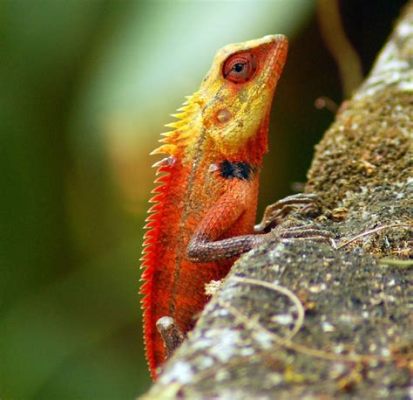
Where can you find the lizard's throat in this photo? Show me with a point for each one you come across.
(254, 149)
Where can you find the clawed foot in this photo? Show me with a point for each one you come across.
(307, 203)
(308, 232)
(171, 335)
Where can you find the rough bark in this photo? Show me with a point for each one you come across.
(309, 319)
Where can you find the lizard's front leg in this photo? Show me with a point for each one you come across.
(206, 244)
(204, 247)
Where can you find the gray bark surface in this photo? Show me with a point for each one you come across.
(311, 319)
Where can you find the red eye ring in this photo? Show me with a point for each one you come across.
(239, 68)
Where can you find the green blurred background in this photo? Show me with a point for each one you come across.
(85, 89)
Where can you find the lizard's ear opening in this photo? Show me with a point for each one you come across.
(239, 67)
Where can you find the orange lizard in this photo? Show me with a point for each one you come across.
(205, 202)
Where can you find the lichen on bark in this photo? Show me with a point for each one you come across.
(369, 144)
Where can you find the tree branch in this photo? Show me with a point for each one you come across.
(304, 319)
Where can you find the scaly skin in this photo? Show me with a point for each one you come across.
(205, 203)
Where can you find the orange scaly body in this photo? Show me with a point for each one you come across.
(205, 204)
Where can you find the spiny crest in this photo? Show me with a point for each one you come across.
(173, 145)
(153, 220)
(181, 136)
(149, 253)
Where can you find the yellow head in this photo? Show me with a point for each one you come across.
(236, 94)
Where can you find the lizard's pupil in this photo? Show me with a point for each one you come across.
(238, 67)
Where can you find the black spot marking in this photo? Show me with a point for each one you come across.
(237, 170)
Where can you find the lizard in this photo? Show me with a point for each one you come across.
(205, 201)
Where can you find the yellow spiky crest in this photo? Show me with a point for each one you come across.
(185, 130)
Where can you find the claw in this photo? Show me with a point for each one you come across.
(307, 232)
(275, 213)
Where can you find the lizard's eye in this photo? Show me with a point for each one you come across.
(239, 68)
